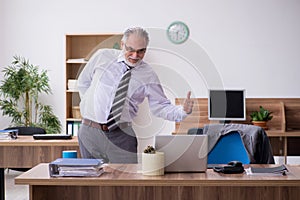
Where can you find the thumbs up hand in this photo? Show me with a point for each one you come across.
(188, 104)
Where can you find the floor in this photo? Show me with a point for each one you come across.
(12, 191)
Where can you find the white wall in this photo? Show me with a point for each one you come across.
(251, 44)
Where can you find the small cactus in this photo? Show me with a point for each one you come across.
(149, 149)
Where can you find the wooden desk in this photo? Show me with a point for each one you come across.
(25, 152)
(125, 182)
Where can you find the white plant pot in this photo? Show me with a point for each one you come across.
(153, 164)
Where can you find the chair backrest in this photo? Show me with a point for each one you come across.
(28, 130)
(195, 131)
(229, 147)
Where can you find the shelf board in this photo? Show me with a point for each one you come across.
(73, 120)
(76, 60)
(280, 133)
(92, 34)
(71, 91)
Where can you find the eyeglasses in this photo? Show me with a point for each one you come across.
(138, 51)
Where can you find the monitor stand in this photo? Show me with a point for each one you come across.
(225, 121)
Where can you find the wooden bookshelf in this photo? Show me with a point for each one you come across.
(79, 49)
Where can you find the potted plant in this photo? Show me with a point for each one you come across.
(19, 96)
(153, 162)
(261, 117)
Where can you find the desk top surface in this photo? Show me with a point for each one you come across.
(270, 133)
(29, 141)
(130, 175)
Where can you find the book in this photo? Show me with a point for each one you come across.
(267, 171)
(76, 126)
(76, 167)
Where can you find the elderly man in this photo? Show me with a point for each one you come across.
(111, 87)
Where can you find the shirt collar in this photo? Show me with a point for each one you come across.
(121, 58)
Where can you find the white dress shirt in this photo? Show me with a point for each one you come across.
(99, 80)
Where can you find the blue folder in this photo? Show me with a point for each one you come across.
(74, 164)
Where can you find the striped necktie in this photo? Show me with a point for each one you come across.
(119, 100)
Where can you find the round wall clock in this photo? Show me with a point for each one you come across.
(178, 32)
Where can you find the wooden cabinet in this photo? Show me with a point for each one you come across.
(79, 49)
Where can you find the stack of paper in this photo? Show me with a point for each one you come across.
(8, 134)
(76, 167)
(269, 171)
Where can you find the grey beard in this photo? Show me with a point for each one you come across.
(132, 64)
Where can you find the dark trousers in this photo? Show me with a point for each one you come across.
(117, 146)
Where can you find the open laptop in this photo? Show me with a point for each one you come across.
(183, 153)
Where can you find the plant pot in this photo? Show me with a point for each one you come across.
(262, 124)
(153, 164)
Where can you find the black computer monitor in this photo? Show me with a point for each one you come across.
(226, 105)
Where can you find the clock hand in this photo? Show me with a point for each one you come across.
(177, 34)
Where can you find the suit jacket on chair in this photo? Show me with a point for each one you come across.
(255, 140)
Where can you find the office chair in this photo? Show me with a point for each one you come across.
(195, 131)
(26, 131)
(229, 147)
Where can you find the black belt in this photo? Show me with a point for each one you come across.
(104, 127)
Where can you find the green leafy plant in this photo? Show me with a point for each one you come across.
(19, 96)
(149, 149)
(261, 115)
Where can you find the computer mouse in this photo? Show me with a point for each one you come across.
(235, 163)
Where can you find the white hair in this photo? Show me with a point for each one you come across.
(136, 31)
